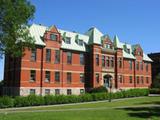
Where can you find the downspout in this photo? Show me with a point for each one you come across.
(41, 81)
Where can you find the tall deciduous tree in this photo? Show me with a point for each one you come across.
(14, 21)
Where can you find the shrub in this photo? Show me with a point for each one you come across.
(86, 97)
(6, 102)
(154, 91)
(99, 89)
(31, 100)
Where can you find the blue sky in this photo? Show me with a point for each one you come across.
(134, 21)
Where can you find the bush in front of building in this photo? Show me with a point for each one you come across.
(154, 91)
(33, 100)
(6, 102)
(98, 89)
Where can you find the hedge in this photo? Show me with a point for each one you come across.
(33, 100)
(154, 91)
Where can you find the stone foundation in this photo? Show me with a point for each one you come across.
(24, 91)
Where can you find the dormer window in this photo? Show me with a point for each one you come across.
(67, 40)
(108, 46)
(53, 36)
(80, 42)
(128, 51)
(139, 53)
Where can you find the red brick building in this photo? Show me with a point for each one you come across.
(67, 62)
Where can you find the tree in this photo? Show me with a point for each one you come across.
(14, 22)
(156, 81)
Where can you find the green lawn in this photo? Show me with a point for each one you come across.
(137, 109)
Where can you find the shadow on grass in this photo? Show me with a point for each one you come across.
(142, 112)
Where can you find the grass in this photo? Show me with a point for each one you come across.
(137, 109)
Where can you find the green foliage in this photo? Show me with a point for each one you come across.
(154, 91)
(6, 102)
(156, 81)
(33, 100)
(99, 89)
(14, 33)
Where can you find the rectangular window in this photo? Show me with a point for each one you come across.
(32, 75)
(69, 57)
(97, 59)
(120, 78)
(130, 64)
(128, 51)
(137, 79)
(147, 80)
(69, 92)
(68, 40)
(32, 91)
(47, 76)
(47, 91)
(97, 77)
(53, 36)
(120, 62)
(69, 77)
(81, 58)
(107, 61)
(57, 77)
(112, 62)
(33, 54)
(130, 79)
(81, 91)
(82, 77)
(142, 80)
(48, 55)
(80, 42)
(57, 91)
(57, 56)
(147, 67)
(137, 65)
(103, 61)
(141, 64)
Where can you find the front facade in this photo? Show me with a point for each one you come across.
(65, 62)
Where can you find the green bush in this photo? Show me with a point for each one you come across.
(154, 91)
(6, 102)
(98, 90)
(33, 100)
(86, 97)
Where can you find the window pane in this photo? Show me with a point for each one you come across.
(32, 75)
(80, 42)
(82, 77)
(47, 91)
(68, 40)
(57, 77)
(48, 55)
(97, 59)
(69, 78)
(33, 54)
(57, 91)
(57, 56)
(69, 92)
(53, 36)
(81, 58)
(32, 91)
(103, 61)
(97, 77)
(47, 77)
(69, 57)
